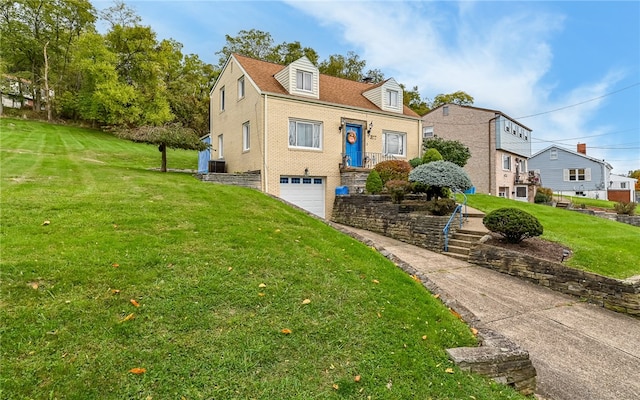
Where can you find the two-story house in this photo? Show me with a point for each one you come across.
(573, 173)
(298, 128)
(499, 147)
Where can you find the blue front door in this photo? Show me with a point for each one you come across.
(353, 145)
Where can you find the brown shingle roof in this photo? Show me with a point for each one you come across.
(332, 90)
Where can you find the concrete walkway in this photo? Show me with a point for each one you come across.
(580, 351)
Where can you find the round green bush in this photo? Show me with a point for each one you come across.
(414, 162)
(393, 170)
(397, 189)
(513, 224)
(431, 155)
(374, 183)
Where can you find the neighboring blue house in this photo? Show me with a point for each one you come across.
(573, 173)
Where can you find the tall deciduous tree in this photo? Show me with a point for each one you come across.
(349, 67)
(460, 98)
(411, 98)
(635, 174)
(27, 25)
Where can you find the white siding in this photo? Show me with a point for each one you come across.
(377, 96)
(287, 78)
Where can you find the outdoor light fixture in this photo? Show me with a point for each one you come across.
(341, 125)
(370, 128)
(306, 171)
(565, 254)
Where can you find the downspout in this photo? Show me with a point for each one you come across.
(491, 156)
(265, 178)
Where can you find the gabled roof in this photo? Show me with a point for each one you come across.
(603, 162)
(481, 109)
(333, 90)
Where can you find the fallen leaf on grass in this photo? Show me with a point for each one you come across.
(261, 294)
(455, 313)
(375, 281)
(424, 337)
(286, 331)
(357, 378)
(229, 269)
(138, 371)
(115, 291)
(128, 317)
(335, 386)
(45, 223)
(115, 265)
(449, 370)
(436, 296)
(134, 302)
(474, 331)
(415, 278)
(306, 301)
(262, 285)
(33, 285)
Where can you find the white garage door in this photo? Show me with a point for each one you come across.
(307, 193)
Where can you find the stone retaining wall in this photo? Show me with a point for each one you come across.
(251, 180)
(614, 294)
(622, 218)
(408, 222)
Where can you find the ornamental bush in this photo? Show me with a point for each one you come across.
(440, 175)
(397, 189)
(374, 183)
(513, 224)
(624, 208)
(543, 195)
(441, 206)
(414, 162)
(431, 155)
(393, 170)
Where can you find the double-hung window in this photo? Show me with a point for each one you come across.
(306, 134)
(246, 136)
(394, 143)
(392, 98)
(303, 80)
(241, 88)
(506, 163)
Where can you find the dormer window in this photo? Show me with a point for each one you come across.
(303, 80)
(392, 98)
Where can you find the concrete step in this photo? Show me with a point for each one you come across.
(470, 237)
(562, 204)
(461, 243)
(458, 250)
(463, 257)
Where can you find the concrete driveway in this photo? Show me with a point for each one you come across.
(580, 351)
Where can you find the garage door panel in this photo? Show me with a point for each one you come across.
(306, 193)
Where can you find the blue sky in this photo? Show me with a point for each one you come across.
(581, 58)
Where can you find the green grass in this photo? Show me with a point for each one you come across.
(218, 273)
(602, 246)
(579, 200)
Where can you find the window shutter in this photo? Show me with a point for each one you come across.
(565, 175)
(587, 174)
(384, 143)
(292, 133)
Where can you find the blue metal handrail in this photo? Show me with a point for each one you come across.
(464, 215)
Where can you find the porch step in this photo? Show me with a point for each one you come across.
(461, 242)
(562, 204)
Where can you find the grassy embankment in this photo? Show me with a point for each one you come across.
(203, 286)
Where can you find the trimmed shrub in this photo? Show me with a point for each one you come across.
(374, 183)
(513, 224)
(393, 170)
(431, 155)
(624, 208)
(397, 189)
(441, 206)
(543, 195)
(440, 175)
(414, 162)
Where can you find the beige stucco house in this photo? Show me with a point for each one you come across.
(298, 128)
(499, 145)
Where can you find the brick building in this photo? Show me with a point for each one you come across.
(499, 145)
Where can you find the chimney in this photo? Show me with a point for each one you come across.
(582, 148)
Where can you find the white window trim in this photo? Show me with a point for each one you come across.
(246, 136)
(403, 143)
(391, 98)
(220, 146)
(300, 83)
(553, 154)
(316, 134)
(567, 173)
(506, 159)
(241, 87)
